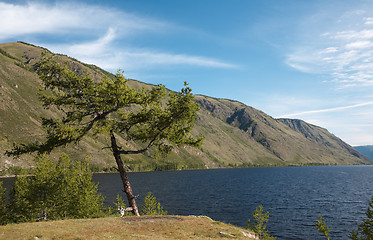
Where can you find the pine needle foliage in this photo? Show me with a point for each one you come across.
(322, 228)
(152, 206)
(55, 191)
(260, 228)
(148, 117)
(154, 117)
(119, 202)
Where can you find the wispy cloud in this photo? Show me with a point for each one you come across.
(102, 52)
(344, 51)
(69, 18)
(106, 35)
(328, 110)
(352, 123)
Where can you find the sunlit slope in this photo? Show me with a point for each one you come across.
(235, 134)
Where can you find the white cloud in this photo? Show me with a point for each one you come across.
(103, 53)
(92, 48)
(103, 27)
(65, 18)
(328, 109)
(344, 51)
(368, 20)
(352, 123)
(359, 45)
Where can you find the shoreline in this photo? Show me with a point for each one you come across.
(197, 169)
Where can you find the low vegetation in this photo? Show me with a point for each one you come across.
(151, 206)
(143, 227)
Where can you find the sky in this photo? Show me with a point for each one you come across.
(302, 59)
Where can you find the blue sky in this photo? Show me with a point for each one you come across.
(310, 60)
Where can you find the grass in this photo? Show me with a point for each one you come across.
(144, 227)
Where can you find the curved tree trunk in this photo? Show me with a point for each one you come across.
(123, 175)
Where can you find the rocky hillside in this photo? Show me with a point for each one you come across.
(235, 134)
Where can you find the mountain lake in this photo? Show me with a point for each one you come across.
(294, 196)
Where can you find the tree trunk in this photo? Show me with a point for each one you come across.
(123, 175)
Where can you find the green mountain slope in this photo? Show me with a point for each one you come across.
(235, 134)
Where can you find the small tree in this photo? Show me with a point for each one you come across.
(55, 191)
(261, 218)
(151, 206)
(322, 228)
(119, 203)
(365, 229)
(154, 117)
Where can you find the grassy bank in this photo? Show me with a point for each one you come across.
(144, 227)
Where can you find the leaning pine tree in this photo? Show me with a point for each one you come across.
(154, 117)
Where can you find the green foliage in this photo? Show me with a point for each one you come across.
(322, 228)
(365, 229)
(151, 206)
(146, 117)
(119, 202)
(55, 191)
(261, 218)
(3, 213)
(15, 170)
(150, 117)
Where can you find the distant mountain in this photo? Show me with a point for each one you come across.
(235, 134)
(366, 150)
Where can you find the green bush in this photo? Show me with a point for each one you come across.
(151, 206)
(55, 191)
(119, 202)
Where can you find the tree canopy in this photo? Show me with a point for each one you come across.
(150, 117)
(156, 116)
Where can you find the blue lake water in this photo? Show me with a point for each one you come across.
(294, 196)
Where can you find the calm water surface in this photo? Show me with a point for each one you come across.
(294, 196)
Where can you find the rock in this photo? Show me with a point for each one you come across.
(224, 234)
(250, 235)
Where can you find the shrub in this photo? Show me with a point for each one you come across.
(119, 202)
(55, 191)
(151, 206)
(261, 218)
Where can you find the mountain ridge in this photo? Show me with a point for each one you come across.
(235, 134)
(367, 150)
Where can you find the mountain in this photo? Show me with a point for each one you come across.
(235, 134)
(366, 150)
